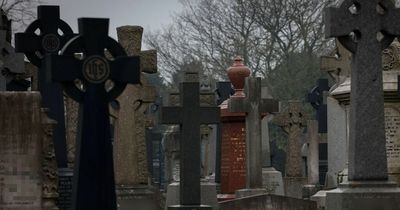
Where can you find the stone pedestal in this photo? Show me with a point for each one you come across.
(250, 192)
(208, 197)
(320, 198)
(365, 196)
(272, 180)
(294, 186)
(136, 197)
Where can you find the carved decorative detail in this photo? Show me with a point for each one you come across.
(391, 57)
(49, 165)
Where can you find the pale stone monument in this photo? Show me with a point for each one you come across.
(292, 121)
(28, 168)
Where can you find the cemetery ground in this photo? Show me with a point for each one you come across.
(86, 122)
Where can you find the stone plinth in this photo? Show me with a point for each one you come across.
(250, 192)
(233, 151)
(272, 180)
(208, 197)
(28, 171)
(364, 195)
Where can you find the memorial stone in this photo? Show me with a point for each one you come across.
(254, 107)
(94, 186)
(35, 47)
(130, 157)
(28, 169)
(190, 115)
(11, 63)
(317, 99)
(367, 186)
(292, 121)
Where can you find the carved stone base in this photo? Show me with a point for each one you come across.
(365, 196)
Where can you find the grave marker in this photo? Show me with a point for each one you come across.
(36, 46)
(94, 186)
(317, 98)
(254, 106)
(372, 25)
(190, 115)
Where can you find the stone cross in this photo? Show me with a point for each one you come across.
(254, 106)
(359, 25)
(36, 46)
(190, 115)
(12, 64)
(317, 98)
(292, 120)
(337, 63)
(94, 186)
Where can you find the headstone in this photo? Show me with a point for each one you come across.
(28, 169)
(272, 179)
(367, 187)
(292, 121)
(35, 47)
(11, 63)
(223, 91)
(190, 115)
(233, 136)
(130, 157)
(254, 107)
(317, 99)
(94, 186)
(155, 155)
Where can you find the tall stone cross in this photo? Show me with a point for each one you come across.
(94, 186)
(337, 63)
(317, 98)
(293, 121)
(190, 115)
(254, 106)
(365, 28)
(53, 33)
(12, 63)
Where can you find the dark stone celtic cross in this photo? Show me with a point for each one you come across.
(318, 101)
(365, 28)
(93, 80)
(190, 115)
(47, 35)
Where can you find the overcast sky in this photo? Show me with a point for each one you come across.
(150, 14)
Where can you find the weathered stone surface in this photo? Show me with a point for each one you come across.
(313, 154)
(130, 157)
(268, 202)
(71, 125)
(190, 115)
(208, 195)
(254, 106)
(28, 172)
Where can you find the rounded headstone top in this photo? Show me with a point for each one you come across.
(391, 57)
(237, 74)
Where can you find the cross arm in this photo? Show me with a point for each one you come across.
(269, 105)
(126, 69)
(148, 61)
(171, 115)
(63, 68)
(339, 21)
(391, 22)
(210, 115)
(27, 42)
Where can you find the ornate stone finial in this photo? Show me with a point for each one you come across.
(237, 74)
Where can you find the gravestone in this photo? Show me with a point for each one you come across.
(254, 107)
(36, 46)
(292, 121)
(94, 186)
(367, 186)
(28, 169)
(272, 179)
(223, 91)
(11, 63)
(130, 157)
(317, 99)
(155, 155)
(190, 115)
